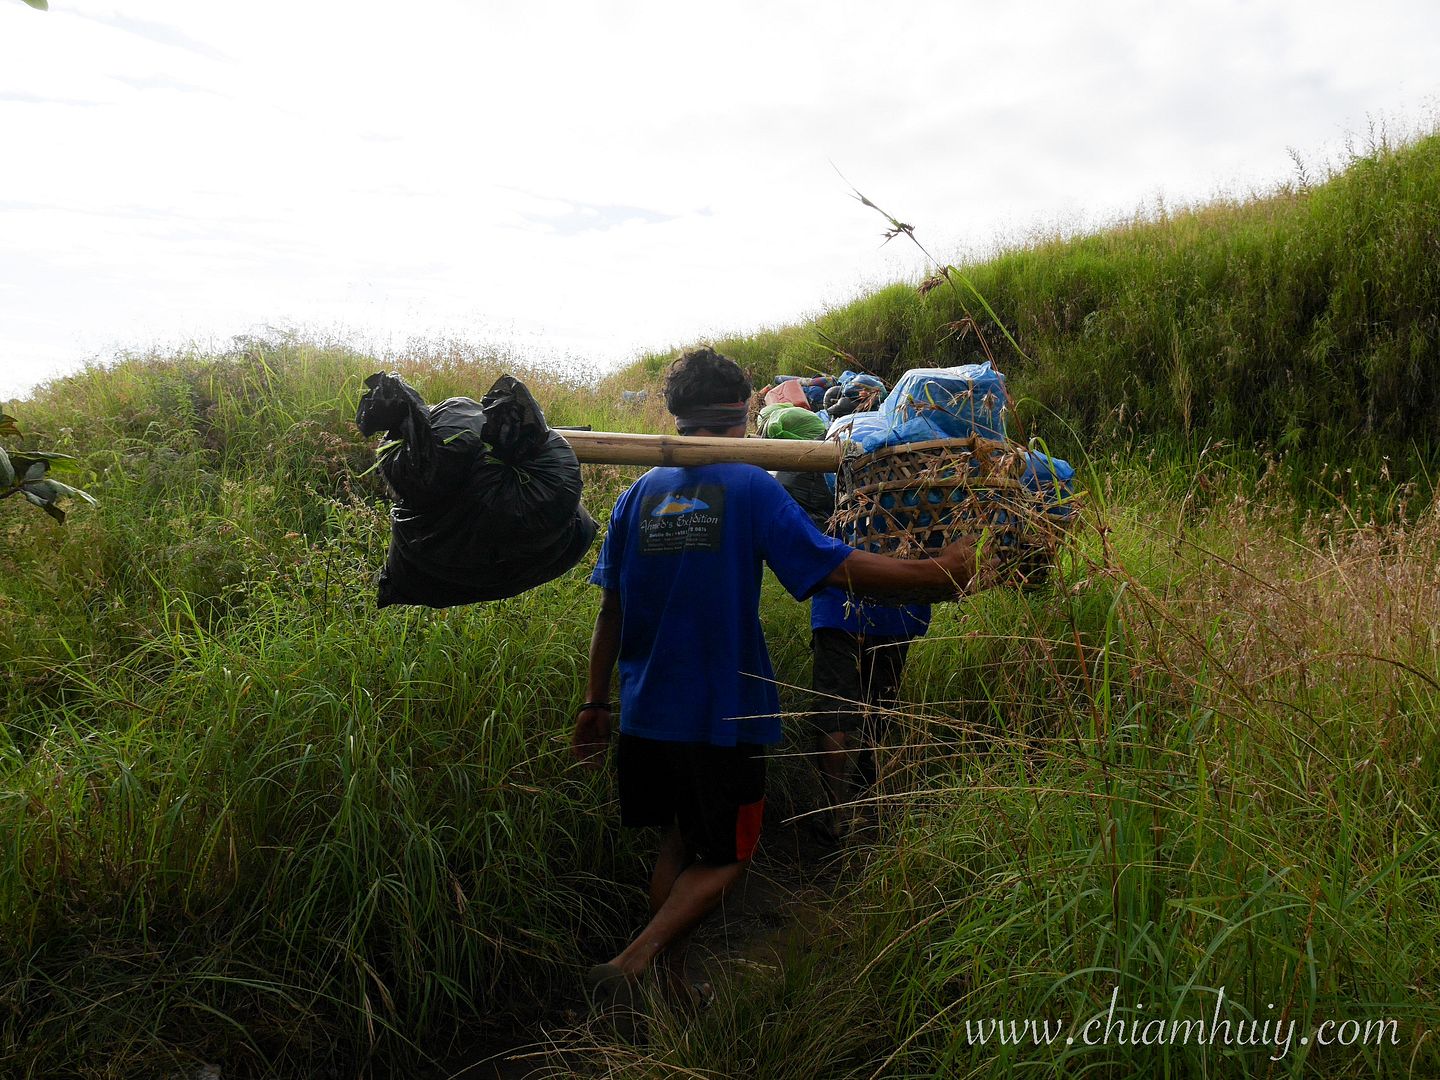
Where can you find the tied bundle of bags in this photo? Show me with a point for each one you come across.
(827, 396)
(487, 495)
(932, 403)
(805, 391)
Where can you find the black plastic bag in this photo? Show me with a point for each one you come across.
(810, 490)
(392, 405)
(515, 427)
(438, 445)
(441, 559)
(488, 496)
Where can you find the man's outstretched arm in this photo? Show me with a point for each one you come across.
(592, 725)
(945, 574)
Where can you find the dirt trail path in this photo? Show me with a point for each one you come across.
(787, 891)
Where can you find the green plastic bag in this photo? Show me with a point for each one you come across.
(785, 421)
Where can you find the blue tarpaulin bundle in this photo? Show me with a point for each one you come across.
(932, 403)
(959, 401)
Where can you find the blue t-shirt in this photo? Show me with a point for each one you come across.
(835, 609)
(685, 549)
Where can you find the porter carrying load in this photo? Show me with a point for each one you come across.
(489, 495)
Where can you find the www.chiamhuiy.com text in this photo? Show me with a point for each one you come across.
(1115, 1027)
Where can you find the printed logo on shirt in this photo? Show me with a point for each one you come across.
(678, 504)
(690, 520)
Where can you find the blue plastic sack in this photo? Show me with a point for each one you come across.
(956, 403)
(871, 430)
(1053, 478)
(864, 390)
(874, 431)
(930, 403)
(860, 378)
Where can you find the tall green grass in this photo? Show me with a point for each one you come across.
(1204, 757)
(246, 818)
(1234, 785)
(245, 815)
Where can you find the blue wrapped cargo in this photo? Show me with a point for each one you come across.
(932, 403)
(953, 402)
(1053, 478)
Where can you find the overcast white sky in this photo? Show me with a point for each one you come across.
(586, 181)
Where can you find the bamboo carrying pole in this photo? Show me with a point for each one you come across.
(616, 448)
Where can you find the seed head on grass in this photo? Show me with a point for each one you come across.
(947, 273)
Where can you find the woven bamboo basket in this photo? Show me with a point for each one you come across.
(912, 500)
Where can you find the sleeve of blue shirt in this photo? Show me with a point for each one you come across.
(607, 566)
(801, 556)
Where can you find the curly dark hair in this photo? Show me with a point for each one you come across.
(704, 377)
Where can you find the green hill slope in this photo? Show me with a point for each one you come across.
(1305, 321)
(250, 820)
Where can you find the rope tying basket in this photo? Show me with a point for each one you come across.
(914, 499)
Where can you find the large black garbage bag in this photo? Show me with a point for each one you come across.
(488, 497)
(515, 427)
(438, 445)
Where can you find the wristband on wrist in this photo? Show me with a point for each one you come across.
(596, 705)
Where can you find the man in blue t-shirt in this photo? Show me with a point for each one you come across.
(680, 571)
(858, 650)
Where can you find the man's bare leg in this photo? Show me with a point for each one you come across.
(668, 864)
(673, 858)
(836, 760)
(694, 892)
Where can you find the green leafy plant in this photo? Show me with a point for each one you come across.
(28, 474)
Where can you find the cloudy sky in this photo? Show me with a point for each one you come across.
(580, 182)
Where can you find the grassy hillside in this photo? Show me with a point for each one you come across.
(1305, 323)
(248, 819)
(243, 813)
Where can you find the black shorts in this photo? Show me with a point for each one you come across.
(716, 794)
(851, 675)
